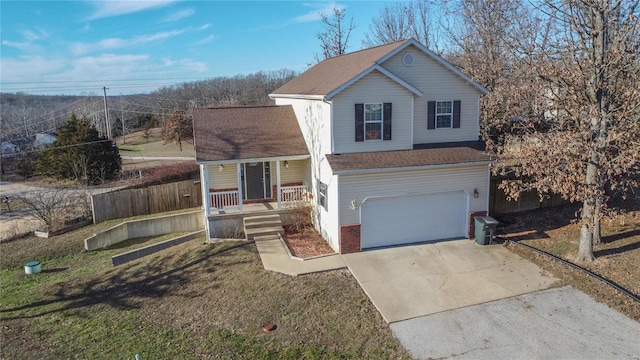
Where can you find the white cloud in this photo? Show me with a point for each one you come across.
(179, 15)
(34, 35)
(114, 8)
(27, 47)
(206, 40)
(119, 43)
(30, 37)
(28, 68)
(316, 14)
(192, 65)
(203, 27)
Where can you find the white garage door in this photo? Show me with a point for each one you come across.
(414, 218)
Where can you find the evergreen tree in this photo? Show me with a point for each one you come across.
(79, 153)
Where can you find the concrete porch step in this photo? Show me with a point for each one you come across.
(262, 225)
(253, 234)
(266, 223)
(261, 218)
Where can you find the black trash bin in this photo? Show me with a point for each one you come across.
(485, 229)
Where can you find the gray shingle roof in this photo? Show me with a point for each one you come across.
(236, 133)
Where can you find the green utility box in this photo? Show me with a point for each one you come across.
(485, 229)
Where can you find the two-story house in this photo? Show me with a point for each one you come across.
(385, 140)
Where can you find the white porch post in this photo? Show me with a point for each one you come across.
(204, 183)
(239, 176)
(279, 196)
(206, 197)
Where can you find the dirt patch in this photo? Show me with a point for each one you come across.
(306, 244)
(617, 258)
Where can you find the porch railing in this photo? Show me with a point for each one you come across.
(224, 199)
(294, 193)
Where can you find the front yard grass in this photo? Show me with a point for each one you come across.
(194, 300)
(617, 258)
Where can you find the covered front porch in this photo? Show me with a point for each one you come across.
(255, 184)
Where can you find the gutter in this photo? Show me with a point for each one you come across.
(412, 168)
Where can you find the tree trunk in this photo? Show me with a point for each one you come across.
(585, 247)
(597, 234)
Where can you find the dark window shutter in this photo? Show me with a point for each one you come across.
(386, 127)
(359, 122)
(456, 114)
(431, 115)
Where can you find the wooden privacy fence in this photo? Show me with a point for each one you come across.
(151, 200)
(498, 203)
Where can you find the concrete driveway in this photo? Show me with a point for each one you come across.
(457, 299)
(559, 323)
(412, 281)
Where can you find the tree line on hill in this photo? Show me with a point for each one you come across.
(23, 115)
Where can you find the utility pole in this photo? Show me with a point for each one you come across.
(106, 113)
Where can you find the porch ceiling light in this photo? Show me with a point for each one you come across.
(221, 168)
(286, 164)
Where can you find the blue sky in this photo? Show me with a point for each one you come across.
(60, 47)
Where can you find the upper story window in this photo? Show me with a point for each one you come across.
(444, 114)
(373, 121)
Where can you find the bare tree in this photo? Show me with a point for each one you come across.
(48, 206)
(582, 137)
(402, 20)
(177, 127)
(335, 37)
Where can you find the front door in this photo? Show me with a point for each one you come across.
(256, 180)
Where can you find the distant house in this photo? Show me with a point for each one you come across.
(8, 147)
(383, 142)
(43, 140)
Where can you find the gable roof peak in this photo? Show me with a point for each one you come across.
(330, 76)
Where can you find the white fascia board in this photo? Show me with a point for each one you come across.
(383, 71)
(297, 96)
(265, 159)
(438, 59)
(412, 168)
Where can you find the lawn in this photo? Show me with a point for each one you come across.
(617, 258)
(194, 300)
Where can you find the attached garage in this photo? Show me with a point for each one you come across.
(405, 219)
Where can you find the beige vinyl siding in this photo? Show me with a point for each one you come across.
(225, 179)
(327, 220)
(314, 119)
(359, 187)
(294, 174)
(437, 83)
(373, 88)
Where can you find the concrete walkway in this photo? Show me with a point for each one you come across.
(275, 257)
(411, 281)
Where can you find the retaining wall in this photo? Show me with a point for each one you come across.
(185, 222)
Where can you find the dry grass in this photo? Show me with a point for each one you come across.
(617, 258)
(194, 300)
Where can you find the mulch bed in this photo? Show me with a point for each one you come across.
(306, 244)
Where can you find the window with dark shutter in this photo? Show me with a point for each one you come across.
(443, 114)
(359, 122)
(387, 122)
(456, 114)
(431, 115)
